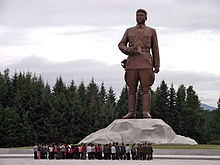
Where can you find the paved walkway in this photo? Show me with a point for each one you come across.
(30, 161)
(185, 157)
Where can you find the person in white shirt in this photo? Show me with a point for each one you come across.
(89, 151)
(128, 151)
(113, 151)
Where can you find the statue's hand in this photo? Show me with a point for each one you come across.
(156, 69)
(130, 50)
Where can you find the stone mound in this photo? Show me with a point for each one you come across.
(131, 131)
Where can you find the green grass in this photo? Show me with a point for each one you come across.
(200, 146)
(27, 147)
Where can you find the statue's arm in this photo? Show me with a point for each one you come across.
(123, 43)
(155, 51)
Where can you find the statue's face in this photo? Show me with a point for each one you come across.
(140, 17)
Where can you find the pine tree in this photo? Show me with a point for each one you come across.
(92, 104)
(30, 135)
(48, 114)
(139, 114)
(153, 102)
(181, 108)
(193, 114)
(60, 107)
(122, 104)
(101, 121)
(172, 111)
(161, 102)
(2, 128)
(72, 114)
(214, 126)
(82, 125)
(110, 106)
(102, 94)
(12, 128)
(6, 95)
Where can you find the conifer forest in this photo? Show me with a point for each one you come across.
(32, 111)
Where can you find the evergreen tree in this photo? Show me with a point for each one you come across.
(48, 115)
(2, 129)
(31, 112)
(181, 108)
(214, 128)
(122, 104)
(153, 103)
(161, 101)
(30, 135)
(6, 95)
(11, 127)
(102, 94)
(139, 114)
(60, 106)
(101, 121)
(172, 111)
(72, 114)
(205, 127)
(192, 114)
(81, 91)
(93, 105)
(83, 125)
(110, 106)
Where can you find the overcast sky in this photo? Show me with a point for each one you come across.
(41, 35)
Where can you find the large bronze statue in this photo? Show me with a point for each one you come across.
(140, 65)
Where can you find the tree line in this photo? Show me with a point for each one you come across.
(33, 111)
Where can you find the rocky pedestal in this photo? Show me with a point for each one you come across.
(131, 131)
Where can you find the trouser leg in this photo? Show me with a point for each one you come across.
(131, 78)
(146, 79)
(131, 107)
(146, 97)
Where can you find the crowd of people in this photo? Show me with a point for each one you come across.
(111, 151)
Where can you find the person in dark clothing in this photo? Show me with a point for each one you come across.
(122, 152)
(59, 154)
(45, 151)
(105, 151)
(76, 153)
(142, 152)
(84, 151)
(35, 151)
(117, 151)
(109, 151)
(150, 151)
(139, 151)
(42, 151)
(134, 152)
(99, 151)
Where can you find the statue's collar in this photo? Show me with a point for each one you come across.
(141, 26)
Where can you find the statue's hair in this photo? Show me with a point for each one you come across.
(142, 11)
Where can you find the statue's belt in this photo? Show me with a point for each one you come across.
(142, 50)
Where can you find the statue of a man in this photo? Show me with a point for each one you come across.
(141, 46)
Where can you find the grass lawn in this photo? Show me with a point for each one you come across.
(200, 146)
(27, 147)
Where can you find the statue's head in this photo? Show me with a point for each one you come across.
(141, 16)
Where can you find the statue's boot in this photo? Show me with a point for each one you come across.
(146, 104)
(131, 107)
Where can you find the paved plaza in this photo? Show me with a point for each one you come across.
(29, 161)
